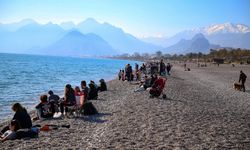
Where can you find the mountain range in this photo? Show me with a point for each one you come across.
(197, 44)
(225, 35)
(91, 38)
(86, 38)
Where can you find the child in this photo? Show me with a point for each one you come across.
(44, 108)
(11, 133)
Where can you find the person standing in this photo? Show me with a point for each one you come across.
(168, 68)
(162, 68)
(120, 74)
(129, 72)
(242, 80)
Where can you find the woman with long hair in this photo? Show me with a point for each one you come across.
(21, 115)
(69, 98)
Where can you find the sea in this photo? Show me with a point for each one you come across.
(23, 78)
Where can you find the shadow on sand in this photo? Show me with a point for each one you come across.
(174, 100)
(95, 118)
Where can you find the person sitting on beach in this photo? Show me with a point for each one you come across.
(69, 99)
(157, 87)
(85, 89)
(53, 97)
(93, 82)
(153, 79)
(79, 97)
(138, 75)
(10, 134)
(44, 108)
(54, 100)
(93, 92)
(22, 116)
(103, 85)
(144, 84)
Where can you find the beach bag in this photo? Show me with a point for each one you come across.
(89, 109)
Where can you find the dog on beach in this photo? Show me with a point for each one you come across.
(237, 86)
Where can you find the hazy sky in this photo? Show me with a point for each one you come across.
(138, 17)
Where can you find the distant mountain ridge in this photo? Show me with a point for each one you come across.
(75, 43)
(197, 44)
(226, 35)
(28, 36)
(116, 37)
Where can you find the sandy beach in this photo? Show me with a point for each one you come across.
(202, 111)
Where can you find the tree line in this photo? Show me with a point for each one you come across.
(229, 55)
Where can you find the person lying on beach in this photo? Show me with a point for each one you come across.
(144, 84)
(103, 85)
(68, 100)
(44, 108)
(21, 115)
(11, 133)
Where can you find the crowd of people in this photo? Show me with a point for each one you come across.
(50, 105)
(150, 76)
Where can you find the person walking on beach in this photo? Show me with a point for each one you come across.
(242, 80)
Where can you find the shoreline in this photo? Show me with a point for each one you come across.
(202, 111)
(32, 111)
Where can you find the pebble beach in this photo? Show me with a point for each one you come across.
(202, 111)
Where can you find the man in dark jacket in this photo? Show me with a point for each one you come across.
(242, 80)
(129, 72)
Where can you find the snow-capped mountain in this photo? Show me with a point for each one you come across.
(224, 28)
(225, 35)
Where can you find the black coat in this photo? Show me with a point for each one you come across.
(24, 119)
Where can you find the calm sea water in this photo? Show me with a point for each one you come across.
(23, 78)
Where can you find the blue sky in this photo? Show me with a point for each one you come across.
(138, 17)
